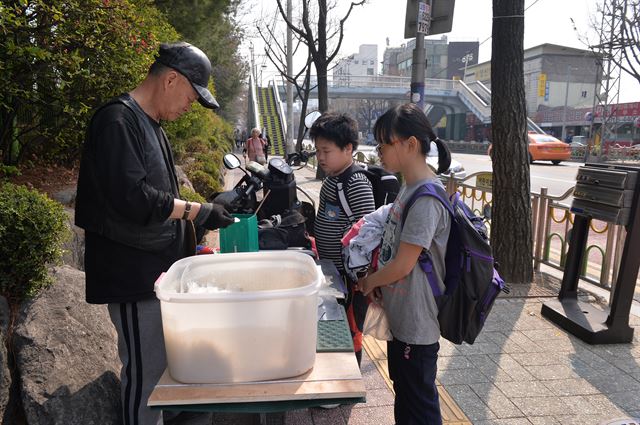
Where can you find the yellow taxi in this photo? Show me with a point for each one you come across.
(543, 147)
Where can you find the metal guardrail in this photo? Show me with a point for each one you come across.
(551, 227)
(253, 107)
(474, 102)
(280, 109)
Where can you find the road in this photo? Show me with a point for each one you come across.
(556, 178)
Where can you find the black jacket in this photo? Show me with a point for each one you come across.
(126, 188)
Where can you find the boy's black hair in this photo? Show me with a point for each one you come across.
(404, 121)
(341, 129)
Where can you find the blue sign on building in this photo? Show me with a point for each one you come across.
(546, 91)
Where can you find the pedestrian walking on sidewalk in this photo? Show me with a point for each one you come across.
(404, 137)
(254, 147)
(267, 147)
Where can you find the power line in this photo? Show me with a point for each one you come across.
(483, 41)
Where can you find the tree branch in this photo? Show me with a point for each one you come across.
(289, 23)
(342, 21)
(309, 32)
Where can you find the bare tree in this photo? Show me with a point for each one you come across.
(511, 234)
(368, 110)
(619, 31)
(316, 38)
(277, 56)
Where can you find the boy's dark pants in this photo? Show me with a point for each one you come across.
(413, 371)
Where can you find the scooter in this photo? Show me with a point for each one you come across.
(279, 191)
(276, 180)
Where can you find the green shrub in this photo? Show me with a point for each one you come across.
(32, 228)
(9, 170)
(198, 144)
(189, 195)
(203, 183)
(205, 137)
(207, 163)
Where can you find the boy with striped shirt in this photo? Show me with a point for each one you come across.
(336, 139)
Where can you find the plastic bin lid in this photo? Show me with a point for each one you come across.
(246, 276)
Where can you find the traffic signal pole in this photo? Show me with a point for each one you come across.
(419, 64)
(418, 71)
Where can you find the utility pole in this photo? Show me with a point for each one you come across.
(419, 54)
(612, 24)
(422, 18)
(566, 101)
(289, 145)
(253, 64)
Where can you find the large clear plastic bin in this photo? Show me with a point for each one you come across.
(240, 317)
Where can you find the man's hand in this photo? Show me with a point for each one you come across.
(213, 216)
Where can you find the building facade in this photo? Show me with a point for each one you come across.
(365, 62)
(552, 74)
(445, 60)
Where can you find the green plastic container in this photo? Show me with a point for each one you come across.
(240, 237)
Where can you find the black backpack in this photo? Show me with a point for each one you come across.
(385, 186)
(282, 231)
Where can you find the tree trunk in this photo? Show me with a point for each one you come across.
(511, 234)
(323, 89)
(306, 88)
(320, 60)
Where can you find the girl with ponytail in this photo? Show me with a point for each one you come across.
(404, 138)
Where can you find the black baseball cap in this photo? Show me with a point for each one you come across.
(191, 62)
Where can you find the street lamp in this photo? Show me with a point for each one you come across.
(466, 59)
(262, 68)
(566, 100)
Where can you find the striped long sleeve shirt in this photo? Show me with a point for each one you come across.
(331, 222)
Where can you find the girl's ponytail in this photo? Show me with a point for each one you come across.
(409, 120)
(444, 156)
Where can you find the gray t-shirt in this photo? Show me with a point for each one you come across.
(409, 303)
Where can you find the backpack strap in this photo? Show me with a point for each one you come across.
(342, 193)
(428, 189)
(426, 264)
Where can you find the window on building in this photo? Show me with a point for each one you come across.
(370, 62)
(369, 71)
(356, 61)
(584, 93)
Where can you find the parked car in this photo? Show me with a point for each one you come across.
(543, 147)
(580, 139)
(455, 167)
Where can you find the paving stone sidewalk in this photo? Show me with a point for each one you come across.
(521, 370)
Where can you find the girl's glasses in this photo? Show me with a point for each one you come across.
(379, 147)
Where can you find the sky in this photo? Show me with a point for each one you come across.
(546, 21)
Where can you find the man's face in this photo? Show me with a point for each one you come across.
(179, 95)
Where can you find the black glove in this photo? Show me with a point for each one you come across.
(213, 216)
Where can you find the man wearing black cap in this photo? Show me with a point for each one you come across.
(135, 223)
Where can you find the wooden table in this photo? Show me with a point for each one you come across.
(335, 378)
